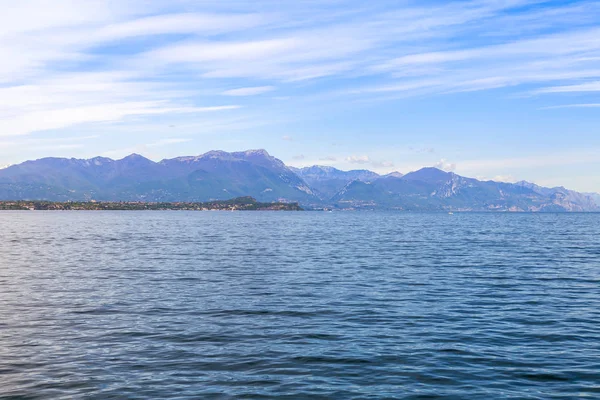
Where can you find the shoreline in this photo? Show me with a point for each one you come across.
(237, 204)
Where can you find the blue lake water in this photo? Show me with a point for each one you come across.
(312, 305)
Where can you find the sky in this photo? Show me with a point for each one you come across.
(493, 89)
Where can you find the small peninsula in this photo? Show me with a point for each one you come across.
(237, 204)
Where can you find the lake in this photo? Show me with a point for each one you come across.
(349, 305)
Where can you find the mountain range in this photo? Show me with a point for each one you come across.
(220, 175)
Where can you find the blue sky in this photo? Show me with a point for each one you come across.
(498, 89)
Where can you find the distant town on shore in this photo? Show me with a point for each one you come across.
(237, 204)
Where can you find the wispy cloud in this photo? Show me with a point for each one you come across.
(136, 67)
(249, 91)
(180, 23)
(50, 119)
(585, 105)
(582, 87)
(229, 41)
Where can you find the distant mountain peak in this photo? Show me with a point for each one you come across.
(214, 154)
(258, 156)
(327, 168)
(228, 155)
(433, 169)
(257, 152)
(428, 174)
(327, 180)
(134, 156)
(394, 174)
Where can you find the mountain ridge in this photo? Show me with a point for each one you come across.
(220, 175)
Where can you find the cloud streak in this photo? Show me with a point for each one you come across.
(249, 91)
(129, 68)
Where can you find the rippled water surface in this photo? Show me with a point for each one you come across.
(299, 305)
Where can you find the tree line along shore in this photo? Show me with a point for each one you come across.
(237, 204)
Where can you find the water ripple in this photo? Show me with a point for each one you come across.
(299, 305)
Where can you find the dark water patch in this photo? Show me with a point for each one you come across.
(545, 377)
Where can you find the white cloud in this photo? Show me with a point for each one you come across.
(50, 119)
(585, 105)
(287, 138)
(179, 23)
(445, 165)
(238, 51)
(248, 91)
(504, 178)
(564, 55)
(497, 178)
(582, 87)
(358, 159)
(398, 87)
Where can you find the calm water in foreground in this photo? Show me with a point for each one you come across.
(299, 305)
